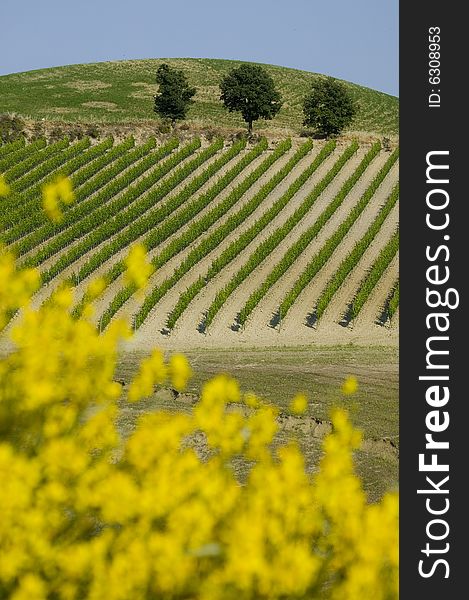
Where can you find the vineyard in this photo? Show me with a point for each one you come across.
(267, 243)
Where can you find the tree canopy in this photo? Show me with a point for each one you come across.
(250, 90)
(329, 107)
(174, 96)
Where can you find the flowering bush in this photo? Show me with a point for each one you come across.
(86, 514)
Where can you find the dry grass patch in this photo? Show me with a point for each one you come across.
(87, 86)
(105, 105)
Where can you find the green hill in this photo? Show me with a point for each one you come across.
(122, 92)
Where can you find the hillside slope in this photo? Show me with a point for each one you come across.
(122, 92)
(252, 243)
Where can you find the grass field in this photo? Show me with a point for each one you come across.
(122, 92)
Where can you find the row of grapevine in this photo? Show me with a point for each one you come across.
(393, 303)
(10, 147)
(245, 238)
(323, 255)
(17, 208)
(86, 183)
(20, 154)
(352, 258)
(128, 207)
(201, 225)
(154, 217)
(374, 275)
(270, 243)
(35, 159)
(108, 201)
(77, 158)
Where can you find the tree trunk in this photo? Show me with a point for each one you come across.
(249, 128)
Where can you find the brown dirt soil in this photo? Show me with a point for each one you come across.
(297, 315)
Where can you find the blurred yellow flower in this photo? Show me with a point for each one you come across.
(58, 191)
(95, 507)
(180, 371)
(95, 288)
(4, 187)
(251, 400)
(64, 189)
(139, 269)
(299, 404)
(152, 371)
(350, 386)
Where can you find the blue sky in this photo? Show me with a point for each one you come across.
(356, 40)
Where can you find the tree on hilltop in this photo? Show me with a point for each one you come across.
(174, 95)
(329, 107)
(250, 90)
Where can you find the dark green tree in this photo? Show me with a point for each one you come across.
(174, 94)
(329, 107)
(250, 90)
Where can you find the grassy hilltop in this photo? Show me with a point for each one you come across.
(122, 92)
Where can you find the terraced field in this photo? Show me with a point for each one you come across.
(265, 244)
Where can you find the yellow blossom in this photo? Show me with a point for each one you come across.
(138, 268)
(95, 288)
(152, 371)
(95, 503)
(30, 587)
(4, 187)
(350, 386)
(299, 404)
(180, 371)
(64, 189)
(58, 191)
(251, 400)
